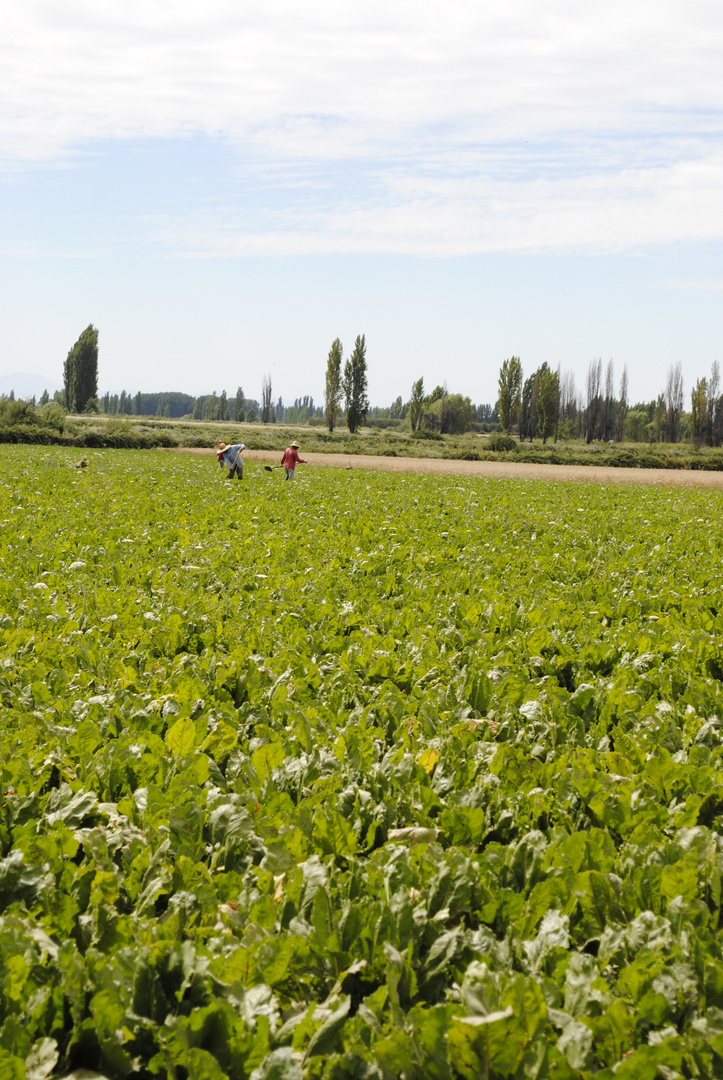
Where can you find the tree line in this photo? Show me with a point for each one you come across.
(438, 411)
(80, 371)
(546, 404)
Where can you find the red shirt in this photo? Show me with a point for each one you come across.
(290, 458)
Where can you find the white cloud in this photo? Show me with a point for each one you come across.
(430, 213)
(480, 126)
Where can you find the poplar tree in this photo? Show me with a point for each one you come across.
(510, 391)
(266, 399)
(354, 385)
(673, 402)
(416, 404)
(548, 402)
(333, 383)
(80, 371)
(210, 407)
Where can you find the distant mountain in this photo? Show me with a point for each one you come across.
(26, 383)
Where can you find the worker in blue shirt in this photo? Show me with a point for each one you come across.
(230, 456)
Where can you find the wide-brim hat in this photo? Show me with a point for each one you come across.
(294, 445)
(222, 445)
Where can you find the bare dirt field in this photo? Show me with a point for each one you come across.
(508, 470)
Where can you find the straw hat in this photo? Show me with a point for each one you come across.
(294, 445)
(222, 445)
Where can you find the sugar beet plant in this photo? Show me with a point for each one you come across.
(368, 776)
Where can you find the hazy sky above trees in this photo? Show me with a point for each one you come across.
(226, 187)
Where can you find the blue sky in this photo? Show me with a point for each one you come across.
(223, 189)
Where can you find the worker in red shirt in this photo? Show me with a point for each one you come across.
(290, 459)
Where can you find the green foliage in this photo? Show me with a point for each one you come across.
(416, 403)
(148, 432)
(427, 435)
(19, 412)
(540, 405)
(450, 414)
(215, 407)
(438, 794)
(509, 391)
(354, 385)
(20, 422)
(547, 402)
(53, 415)
(239, 412)
(501, 443)
(80, 372)
(333, 386)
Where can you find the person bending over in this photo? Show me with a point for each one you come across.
(230, 458)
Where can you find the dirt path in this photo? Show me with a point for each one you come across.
(509, 470)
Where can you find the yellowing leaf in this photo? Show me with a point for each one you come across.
(429, 758)
(181, 738)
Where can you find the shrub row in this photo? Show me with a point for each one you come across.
(43, 436)
(497, 448)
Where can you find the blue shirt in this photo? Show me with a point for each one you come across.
(232, 455)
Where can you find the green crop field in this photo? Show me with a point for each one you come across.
(369, 776)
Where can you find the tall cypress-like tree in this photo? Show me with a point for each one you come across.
(510, 389)
(528, 407)
(416, 404)
(548, 401)
(354, 385)
(210, 407)
(266, 400)
(333, 383)
(239, 414)
(80, 371)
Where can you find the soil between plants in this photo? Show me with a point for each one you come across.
(501, 470)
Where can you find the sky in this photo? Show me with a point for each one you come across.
(223, 188)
